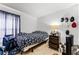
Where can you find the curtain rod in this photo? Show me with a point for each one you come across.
(9, 13)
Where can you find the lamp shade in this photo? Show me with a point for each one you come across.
(54, 27)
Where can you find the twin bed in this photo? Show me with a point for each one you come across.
(27, 40)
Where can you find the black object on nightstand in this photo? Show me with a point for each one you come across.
(54, 41)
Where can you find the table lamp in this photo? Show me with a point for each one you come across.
(54, 27)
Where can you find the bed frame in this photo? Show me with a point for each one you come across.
(32, 47)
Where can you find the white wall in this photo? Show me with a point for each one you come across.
(28, 22)
(44, 22)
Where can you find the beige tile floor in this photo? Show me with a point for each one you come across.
(43, 50)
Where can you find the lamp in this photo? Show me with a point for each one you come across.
(55, 27)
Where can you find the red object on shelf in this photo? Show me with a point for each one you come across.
(74, 25)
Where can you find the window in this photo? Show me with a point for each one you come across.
(2, 25)
(9, 24)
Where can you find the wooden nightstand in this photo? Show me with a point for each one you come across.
(54, 42)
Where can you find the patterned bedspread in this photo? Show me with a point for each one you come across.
(27, 39)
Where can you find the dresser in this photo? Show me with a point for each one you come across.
(54, 42)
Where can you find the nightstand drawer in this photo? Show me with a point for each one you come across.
(53, 46)
(53, 37)
(56, 41)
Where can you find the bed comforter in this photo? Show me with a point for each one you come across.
(27, 39)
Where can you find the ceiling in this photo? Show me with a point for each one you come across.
(38, 9)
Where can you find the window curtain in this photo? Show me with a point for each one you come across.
(9, 24)
(12, 24)
(2, 26)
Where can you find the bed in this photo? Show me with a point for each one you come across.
(23, 41)
(28, 40)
